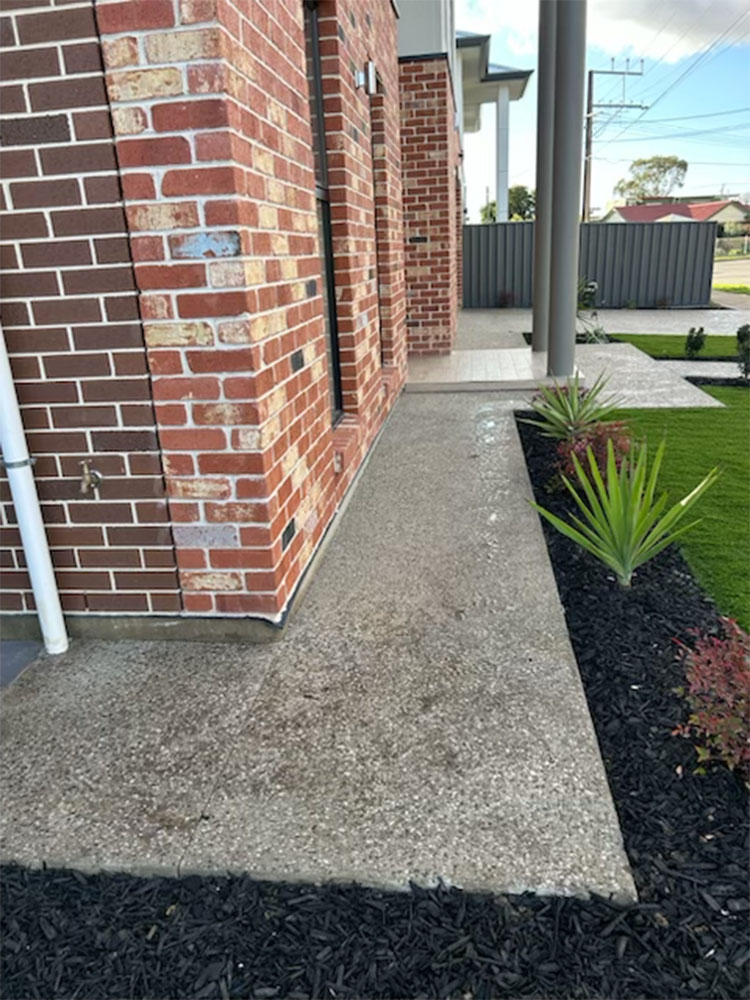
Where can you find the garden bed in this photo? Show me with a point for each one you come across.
(725, 383)
(67, 934)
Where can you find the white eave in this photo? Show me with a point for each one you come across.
(481, 80)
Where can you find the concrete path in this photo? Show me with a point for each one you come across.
(633, 376)
(731, 300)
(423, 717)
(704, 369)
(640, 380)
(674, 321)
(484, 329)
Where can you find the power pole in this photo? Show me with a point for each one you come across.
(590, 105)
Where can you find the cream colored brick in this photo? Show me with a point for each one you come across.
(290, 459)
(183, 46)
(279, 244)
(192, 11)
(138, 84)
(273, 402)
(268, 217)
(249, 439)
(299, 474)
(255, 271)
(243, 331)
(317, 371)
(128, 121)
(178, 334)
(277, 114)
(199, 489)
(236, 332)
(235, 273)
(271, 429)
(289, 268)
(275, 191)
(226, 274)
(262, 160)
(157, 306)
(214, 414)
(257, 438)
(211, 581)
(305, 552)
(162, 216)
(120, 52)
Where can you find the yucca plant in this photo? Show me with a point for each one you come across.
(622, 525)
(565, 411)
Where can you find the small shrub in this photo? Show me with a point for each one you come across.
(743, 350)
(694, 342)
(565, 411)
(623, 526)
(591, 331)
(586, 293)
(596, 438)
(717, 671)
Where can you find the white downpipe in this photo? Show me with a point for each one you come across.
(26, 503)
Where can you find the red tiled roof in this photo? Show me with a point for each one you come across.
(700, 211)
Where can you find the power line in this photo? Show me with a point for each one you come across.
(700, 60)
(685, 118)
(688, 134)
(693, 163)
(671, 48)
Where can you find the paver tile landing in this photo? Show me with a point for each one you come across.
(422, 718)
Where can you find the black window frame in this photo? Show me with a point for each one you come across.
(323, 200)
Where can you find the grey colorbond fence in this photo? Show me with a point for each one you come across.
(641, 264)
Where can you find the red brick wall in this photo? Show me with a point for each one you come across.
(459, 243)
(214, 144)
(430, 147)
(70, 315)
(218, 272)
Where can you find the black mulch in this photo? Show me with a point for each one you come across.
(72, 935)
(736, 383)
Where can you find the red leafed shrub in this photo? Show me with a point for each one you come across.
(596, 438)
(718, 693)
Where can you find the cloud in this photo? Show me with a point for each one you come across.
(667, 31)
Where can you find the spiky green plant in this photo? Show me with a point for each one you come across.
(565, 411)
(622, 525)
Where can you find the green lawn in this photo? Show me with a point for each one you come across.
(661, 345)
(718, 549)
(738, 289)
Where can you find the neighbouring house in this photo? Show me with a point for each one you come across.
(207, 209)
(484, 83)
(679, 211)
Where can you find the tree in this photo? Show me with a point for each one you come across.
(521, 204)
(488, 212)
(654, 177)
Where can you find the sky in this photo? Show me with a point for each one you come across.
(696, 82)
